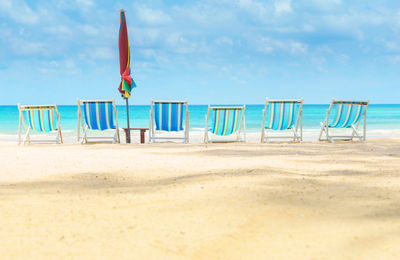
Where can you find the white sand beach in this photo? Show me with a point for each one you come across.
(220, 201)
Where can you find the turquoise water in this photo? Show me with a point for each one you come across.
(382, 117)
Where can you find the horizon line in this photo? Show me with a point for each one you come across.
(197, 104)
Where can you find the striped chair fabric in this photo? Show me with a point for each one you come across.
(168, 116)
(41, 118)
(345, 114)
(281, 115)
(99, 115)
(226, 121)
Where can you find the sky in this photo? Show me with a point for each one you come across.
(206, 52)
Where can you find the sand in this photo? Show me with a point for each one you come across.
(221, 201)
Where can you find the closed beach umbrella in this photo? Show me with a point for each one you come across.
(127, 82)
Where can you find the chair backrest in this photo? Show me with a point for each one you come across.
(168, 115)
(41, 118)
(98, 115)
(226, 120)
(282, 114)
(344, 114)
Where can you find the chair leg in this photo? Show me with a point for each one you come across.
(19, 129)
(205, 139)
(266, 139)
(301, 126)
(84, 136)
(244, 129)
(296, 138)
(185, 136)
(27, 137)
(115, 138)
(262, 135)
(323, 130)
(356, 133)
(150, 135)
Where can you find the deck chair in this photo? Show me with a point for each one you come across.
(166, 119)
(281, 115)
(227, 121)
(98, 115)
(42, 119)
(344, 115)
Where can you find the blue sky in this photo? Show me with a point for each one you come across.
(211, 51)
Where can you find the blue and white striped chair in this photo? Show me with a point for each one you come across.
(42, 119)
(97, 115)
(166, 119)
(281, 115)
(345, 115)
(226, 121)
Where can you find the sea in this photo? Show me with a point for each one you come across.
(382, 119)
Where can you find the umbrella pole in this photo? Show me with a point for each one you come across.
(128, 137)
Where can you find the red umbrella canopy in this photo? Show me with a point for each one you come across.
(127, 82)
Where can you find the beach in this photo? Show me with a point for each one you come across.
(213, 130)
(310, 200)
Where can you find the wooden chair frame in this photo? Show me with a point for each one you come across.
(152, 132)
(297, 136)
(27, 137)
(85, 138)
(241, 130)
(355, 134)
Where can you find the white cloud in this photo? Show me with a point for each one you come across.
(154, 56)
(67, 66)
(151, 16)
(19, 11)
(97, 53)
(326, 4)
(268, 45)
(60, 30)
(223, 40)
(89, 30)
(81, 6)
(397, 18)
(255, 9)
(146, 37)
(391, 45)
(216, 28)
(325, 49)
(394, 59)
(205, 65)
(148, 53)
(102, 53)
(307, 28)
(24, 47)
(342, 58)
(319, 61)
(298, 47)
(205, 14)
(85, 3)
(282, 6)
(179, 44)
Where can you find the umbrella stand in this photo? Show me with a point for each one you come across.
(128, 137)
